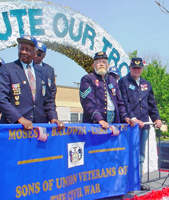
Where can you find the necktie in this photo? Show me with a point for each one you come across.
(32, 81)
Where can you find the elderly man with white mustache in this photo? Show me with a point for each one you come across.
(100, 96)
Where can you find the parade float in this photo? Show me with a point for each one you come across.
(67, 32)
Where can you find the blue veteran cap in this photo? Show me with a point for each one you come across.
(113, 70)
(2, 61)
(27, 39)
(41, 46)
(136, 62)
(100, 54)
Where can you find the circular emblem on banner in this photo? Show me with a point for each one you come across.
(75, 154)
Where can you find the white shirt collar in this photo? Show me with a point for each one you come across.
(25, 64)
(138, 81)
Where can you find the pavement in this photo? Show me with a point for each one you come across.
(154, 180)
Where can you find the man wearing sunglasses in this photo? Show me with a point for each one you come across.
(140, 103)
(39, 56)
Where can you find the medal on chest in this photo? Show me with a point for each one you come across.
(113, 91)
(17, 100)
(143, 87)
(111, 87)
(97, 82)
(16, 89)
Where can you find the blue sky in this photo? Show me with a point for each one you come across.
(135, 24)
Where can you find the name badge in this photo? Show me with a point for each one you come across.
(111, 86)
(43, 90)
(132, 87)
(49, 82)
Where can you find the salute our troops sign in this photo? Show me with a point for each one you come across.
(62, 29)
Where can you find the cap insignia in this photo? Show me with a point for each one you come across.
(100, 53)
(137, 62)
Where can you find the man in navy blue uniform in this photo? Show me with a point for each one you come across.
(19, 102)
(100, 96)
(101, 99)
(39, 56)
(140, 103)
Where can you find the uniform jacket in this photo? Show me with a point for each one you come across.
(51, 78)
(14, 88)
(139, 100)
(93, 97)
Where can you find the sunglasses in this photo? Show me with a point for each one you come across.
(39, 54)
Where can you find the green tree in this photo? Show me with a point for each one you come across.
(159, 79)
(133, 54)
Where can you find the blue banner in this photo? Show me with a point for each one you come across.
(83, 161)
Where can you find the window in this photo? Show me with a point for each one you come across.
(76, 117)
(81, 117)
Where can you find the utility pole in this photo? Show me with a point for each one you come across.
(77, 84)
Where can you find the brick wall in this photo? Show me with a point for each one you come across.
(68, 97)
(69, 94)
